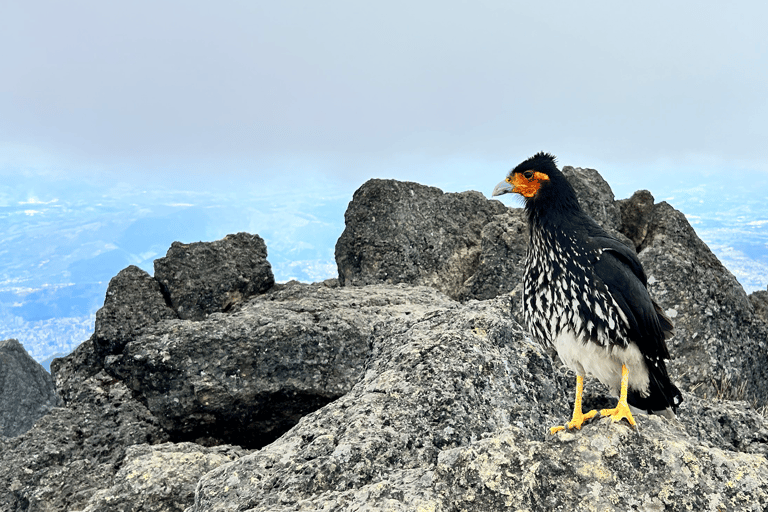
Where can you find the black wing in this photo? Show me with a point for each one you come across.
(620, 270)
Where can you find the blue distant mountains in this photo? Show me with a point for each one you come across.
(62, 241)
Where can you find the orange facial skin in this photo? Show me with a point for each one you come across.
(525, 186)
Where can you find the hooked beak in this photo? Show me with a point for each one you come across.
(502, 188)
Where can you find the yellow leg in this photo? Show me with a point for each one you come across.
(622, 408)
(578, 418)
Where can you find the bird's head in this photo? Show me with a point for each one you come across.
(530, 178)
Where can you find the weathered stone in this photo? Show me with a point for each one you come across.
(403, 232)
(160, 478)
(603, 467)
(452, 414)
(595, 196)
(504, 242)
(431, 384)
(26, 390)
(247, 377)
(71, 373)
(208, 277)
(72, 452)
(759, 301)
(134, 301)
(636, 215)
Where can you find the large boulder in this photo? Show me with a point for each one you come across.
(26, 390)
(246, 377)
(209, 277)
(403, 232)
(452, 414)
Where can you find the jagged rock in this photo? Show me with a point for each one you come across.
(208, 277)
(504, 242)
(595, 196)
(246, 377)
(72, 452)
(636, 215)
(403, 232)
(26, 390)
(160, 478)
(134, 300)
(759, 301)
(452, 414)
(71, 373)
(718, 341)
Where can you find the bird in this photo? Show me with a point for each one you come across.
(585, 294)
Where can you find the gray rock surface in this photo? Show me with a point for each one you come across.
(134, 300)
(403, 232)
(160, 478)
(74, 451)
(504, 241)
(209, 277)
(452, 415)
(246, 377)
(759, 301)
(26, 390)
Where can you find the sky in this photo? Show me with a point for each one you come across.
(449, 93)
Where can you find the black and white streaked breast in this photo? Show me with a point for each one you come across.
(562, 293)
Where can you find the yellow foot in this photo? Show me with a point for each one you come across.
(620, 412)
(577, 421)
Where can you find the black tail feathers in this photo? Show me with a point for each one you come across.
(662, 394)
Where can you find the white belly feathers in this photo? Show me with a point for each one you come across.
(603, 363)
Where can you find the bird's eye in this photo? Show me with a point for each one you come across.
(528, 174)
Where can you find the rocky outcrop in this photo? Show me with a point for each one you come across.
(403, 232)
(247, 377)
(134, 300)
(208, 277)
(26, 390)
(384, 393)
(759, 301)
(452, 415)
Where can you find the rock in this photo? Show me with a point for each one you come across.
(452, 414)
(636, 215)
(403, 232)
(759, 300)
(605, 467)
(72, 452)
(246, 377)
(431, 384)
(595, 196)
(134, 300)
(719, 344)
(208, 277)
(160, 478)
(504, 242)
(26, 390)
